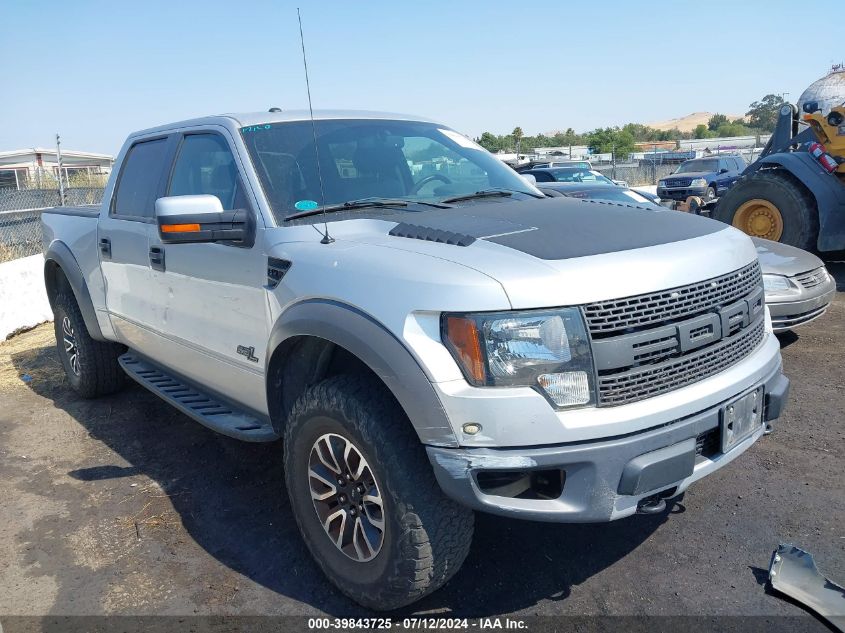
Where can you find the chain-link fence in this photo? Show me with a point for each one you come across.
(648, 171)
(20, 216)
(637, 174)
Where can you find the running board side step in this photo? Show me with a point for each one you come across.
(202, 407)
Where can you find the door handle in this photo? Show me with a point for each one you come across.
(157, 258)
(105, 247)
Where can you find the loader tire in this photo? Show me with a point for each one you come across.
(773, 205)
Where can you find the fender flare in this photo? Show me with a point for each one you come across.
(60, 255)
(373, 344)
(826, 189)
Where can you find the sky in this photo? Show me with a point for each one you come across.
(96, 71)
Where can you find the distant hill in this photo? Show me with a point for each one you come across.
(689, 122)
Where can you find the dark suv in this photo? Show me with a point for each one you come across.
(707, 178)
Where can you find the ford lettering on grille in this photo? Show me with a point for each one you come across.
(650, 344)
(631, 350)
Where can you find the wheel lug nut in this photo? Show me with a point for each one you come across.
(348, 477)
(352, 512)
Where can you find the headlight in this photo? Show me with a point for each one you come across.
(548, 350)
(698, 182)
(776, 283)
(661, 183)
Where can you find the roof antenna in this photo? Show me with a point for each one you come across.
(327, 239)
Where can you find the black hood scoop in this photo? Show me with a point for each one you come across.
(430, 234)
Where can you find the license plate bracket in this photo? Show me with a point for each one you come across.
(741, 417)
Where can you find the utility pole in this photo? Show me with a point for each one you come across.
(59, 159)
(613, 161)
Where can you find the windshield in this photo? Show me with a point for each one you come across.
(572, 174)
(399, 160)
(614, 194)
(697, 165)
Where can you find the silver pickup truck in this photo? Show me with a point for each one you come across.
(428, 333)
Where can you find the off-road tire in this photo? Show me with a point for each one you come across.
(99, 373)
(427, 535)
(797, 207)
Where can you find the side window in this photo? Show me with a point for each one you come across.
(542, 176)
(137, 187)
(205, 165)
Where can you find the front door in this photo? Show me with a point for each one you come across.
(209, 303)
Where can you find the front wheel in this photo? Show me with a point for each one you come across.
(365, 497)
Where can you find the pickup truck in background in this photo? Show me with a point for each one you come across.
(428, 333)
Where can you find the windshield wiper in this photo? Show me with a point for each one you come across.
(490, 193)
(484, 193)
(363, 203)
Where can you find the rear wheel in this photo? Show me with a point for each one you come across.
(365, 497)
(91, 366)
(772, 205)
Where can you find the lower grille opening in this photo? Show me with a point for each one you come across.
(522, 484)
(708, 444)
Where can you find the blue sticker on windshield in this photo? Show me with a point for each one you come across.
(306, 205)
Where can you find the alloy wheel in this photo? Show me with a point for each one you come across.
(71, 350)
(346, 497)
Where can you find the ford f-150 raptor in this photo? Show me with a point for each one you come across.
(428, 333)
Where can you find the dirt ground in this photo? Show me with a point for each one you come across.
(125, 506)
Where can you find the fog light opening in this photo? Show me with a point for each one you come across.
(522, 484)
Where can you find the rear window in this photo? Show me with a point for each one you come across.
(139, 179)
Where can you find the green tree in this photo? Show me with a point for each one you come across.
(715, 121)
(490, 142)
(612, 139)
(763, 114)
(701, 131)
(517, 135)
(732, 129)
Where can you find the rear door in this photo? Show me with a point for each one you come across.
(209, 303)
(123, 240)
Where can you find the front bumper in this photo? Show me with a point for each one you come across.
(787, 314)
(605, 479)
(680, 193)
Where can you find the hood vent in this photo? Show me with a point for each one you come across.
(427, 234)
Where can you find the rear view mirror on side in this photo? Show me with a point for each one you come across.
(201, 219)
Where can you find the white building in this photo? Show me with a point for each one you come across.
(25, 168)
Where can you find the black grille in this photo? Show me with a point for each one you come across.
(813, 278)
(677, 182)
(652, 380)
(622, 315)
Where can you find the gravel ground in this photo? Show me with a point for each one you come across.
(124, 506)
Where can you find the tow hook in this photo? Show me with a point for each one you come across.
(654, 504)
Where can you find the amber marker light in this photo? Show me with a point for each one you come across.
(180, 228)
(462, 333)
